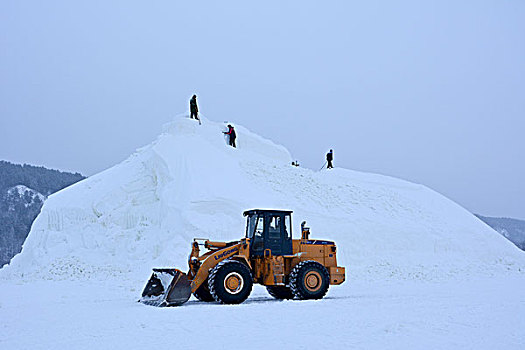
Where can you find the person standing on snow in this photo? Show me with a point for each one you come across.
(329, 159)
(231, 133)
(194, 110)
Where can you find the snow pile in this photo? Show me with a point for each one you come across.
(144, 212)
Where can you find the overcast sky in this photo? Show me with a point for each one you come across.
(428, 91)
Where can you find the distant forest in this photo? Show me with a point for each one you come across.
(22, 191)
(512, 229)
(43, 180)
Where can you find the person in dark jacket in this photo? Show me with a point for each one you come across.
(329, 159)
(194, 110)
(231, 133)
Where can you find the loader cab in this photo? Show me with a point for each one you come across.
(269, 229)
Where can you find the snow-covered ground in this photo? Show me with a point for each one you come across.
(421, 270)
(485, 313)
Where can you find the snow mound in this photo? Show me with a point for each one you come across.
(144, 212)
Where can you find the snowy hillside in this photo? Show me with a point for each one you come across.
(188, 183)
(422, 272)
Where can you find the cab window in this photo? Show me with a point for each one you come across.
(254, 227)
(274, 227)
(250, 226)
(287, 227)
(259, 227)
(258, 241)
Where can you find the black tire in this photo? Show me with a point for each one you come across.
(280, 292)
(203, 293)
(230, 282)
(309, 280)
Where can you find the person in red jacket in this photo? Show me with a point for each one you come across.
(231, 133)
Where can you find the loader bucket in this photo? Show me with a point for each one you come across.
(166, 287)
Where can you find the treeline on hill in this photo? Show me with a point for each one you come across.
(38, 178)
(512, 229)
(22, 191)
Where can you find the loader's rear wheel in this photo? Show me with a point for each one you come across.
(230, 282)
(280, 292)
(309, 280)
(203, 293)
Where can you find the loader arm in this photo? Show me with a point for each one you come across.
(211, 261)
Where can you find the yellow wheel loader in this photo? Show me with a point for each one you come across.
(289, 268)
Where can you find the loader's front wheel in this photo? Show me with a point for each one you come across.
(203, 293)
(309, 280)
(280, 292)
(230, 282)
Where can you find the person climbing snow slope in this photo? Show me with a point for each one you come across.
(232, 135)
(194, 110)
(329, 159)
